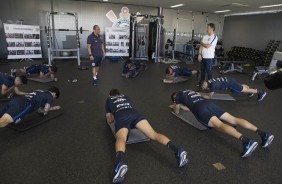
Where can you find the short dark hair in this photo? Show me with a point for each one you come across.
(167, 70)
(56, 90)
(173, 96)
(23, 79)
(202, 82)
(114, 92)
(54, 69)
(212, 25)
(95, 26)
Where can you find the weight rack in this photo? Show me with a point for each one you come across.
(51, 50)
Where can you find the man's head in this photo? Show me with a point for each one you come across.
(54, 91)
(204, 85)
(96, 29)
(53, 69)
(129, 63)
(114, 92)
(168, 71)
(210, 28)
(173, 95)
(20, 80)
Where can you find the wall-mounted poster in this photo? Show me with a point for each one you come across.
(117, 41)
(23, 41)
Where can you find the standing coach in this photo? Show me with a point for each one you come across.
(206, 52)
(96, 51)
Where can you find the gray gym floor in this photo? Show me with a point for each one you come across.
(78, 147)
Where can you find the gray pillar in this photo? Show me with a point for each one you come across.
(160, 37)
(53, 25)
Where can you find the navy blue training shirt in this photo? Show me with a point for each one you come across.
(178, 71)
(96, 45)
(127, 66)
(7, 80)
(116, 104)
(188, 98)
(39, 99)
(221, 83)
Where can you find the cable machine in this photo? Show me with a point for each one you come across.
(145, 37)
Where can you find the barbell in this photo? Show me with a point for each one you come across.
(80, 30)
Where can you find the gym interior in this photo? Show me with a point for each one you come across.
(141, 44)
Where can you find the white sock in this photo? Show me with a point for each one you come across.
(95, 77)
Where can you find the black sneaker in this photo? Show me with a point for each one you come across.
(13, 72)
(145, 67)
(119, 172)
(135, 74)
(95, 82)
(251, 94)
(266, 140)
(248, 148)
(261, 95)
(181, 157)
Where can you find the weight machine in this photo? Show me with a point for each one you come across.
(49, 30)
(145, 33)
(171, 53)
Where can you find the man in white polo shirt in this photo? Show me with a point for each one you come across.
(206, 52)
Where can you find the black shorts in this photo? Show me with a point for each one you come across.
(97, 61)
(187, 72)
(17, 109)
(128, 119)
(234, 86)
(205, 110)
(32, 70)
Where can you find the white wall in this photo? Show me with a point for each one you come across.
(253, 31)
(184, 25)
(89, 13)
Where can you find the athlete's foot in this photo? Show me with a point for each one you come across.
(145, 67)
(13, 72)
(135, 74)
(261, 95)
(95, 82)
(181, 157)
(119, 172)
(251, 94)
(266, 140)
(127, 76)
(248, 148)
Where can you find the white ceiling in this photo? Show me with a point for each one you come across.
(205, 5)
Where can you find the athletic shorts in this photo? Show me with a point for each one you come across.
(17, 109)
(32, 70)
(234, 86)
(128, 119)
(205, 110)
(187, 73)
(97, 61)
